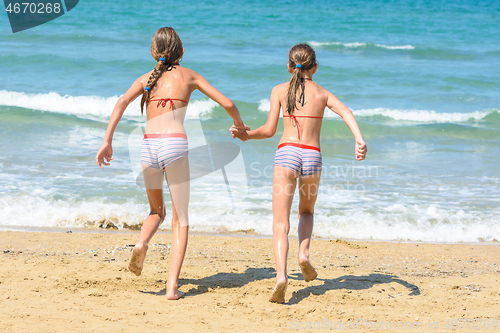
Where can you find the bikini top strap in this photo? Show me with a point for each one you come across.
(295, 122)
(286, 116)
(163, 101)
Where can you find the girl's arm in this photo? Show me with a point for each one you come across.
(339, 108)
(269, 128)
(106, 150)
(228, 105)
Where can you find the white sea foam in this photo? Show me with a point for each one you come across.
(423, 116)
(403, 47)
(432, 223)
(358, 44)
(420, 116)
(37, 211)
(355, 44)
(200, 108)
(72, 105)
(411, 222)
(88, 106)
(264, 105)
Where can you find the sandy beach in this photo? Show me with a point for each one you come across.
(79, 282)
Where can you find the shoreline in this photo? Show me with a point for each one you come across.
(52, 282)
(225, 234)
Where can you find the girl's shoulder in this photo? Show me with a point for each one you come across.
(189, 74)
(143, 79)
(320, 89)
(145, 76)
(188, 70)
(281, 87)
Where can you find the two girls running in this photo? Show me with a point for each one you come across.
(164, 154)
(303, 102)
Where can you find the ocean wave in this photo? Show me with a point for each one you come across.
(403, 47)
(88, 106)
(100, 108)
(424, 116)
(358, 44)
(430, 223)
(39, 212)
(417, 116)
(264, 105)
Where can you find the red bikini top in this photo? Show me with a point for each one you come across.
(296, 123)
(163, 101)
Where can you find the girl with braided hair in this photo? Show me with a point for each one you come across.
(164, 153)
(303, 101)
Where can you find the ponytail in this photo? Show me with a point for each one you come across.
(296, 80)
(300, 57)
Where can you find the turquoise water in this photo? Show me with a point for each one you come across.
(422, 79)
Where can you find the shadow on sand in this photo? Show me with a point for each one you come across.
(238, 280)
(221, 280)
(349, 282)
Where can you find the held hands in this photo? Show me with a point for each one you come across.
(105, 152)
(360, 150)
(240, 132)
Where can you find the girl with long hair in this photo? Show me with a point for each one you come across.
(164, 153)
(303, 103)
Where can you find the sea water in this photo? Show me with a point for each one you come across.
(422, 79)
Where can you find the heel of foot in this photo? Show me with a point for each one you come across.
(278, 295)
(134, 264)
(308, 271)
(173, 295)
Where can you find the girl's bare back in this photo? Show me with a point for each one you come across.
(304, 126)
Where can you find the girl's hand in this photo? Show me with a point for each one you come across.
(242, 135)
(360, 150)
(243, 127)
(239, 132)
(105, 152)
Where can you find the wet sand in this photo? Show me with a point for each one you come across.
(79, 282)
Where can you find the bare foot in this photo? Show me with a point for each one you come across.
(174, 294)
(308, 271)
(279, 291)
(136, 261)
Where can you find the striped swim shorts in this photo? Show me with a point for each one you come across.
(303, 159)
(160, 150)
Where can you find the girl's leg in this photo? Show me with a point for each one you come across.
(153, 179)
(177, 175)
(284, 183)
(308, 192)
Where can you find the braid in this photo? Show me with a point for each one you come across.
(153, 78)
(166, 48)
